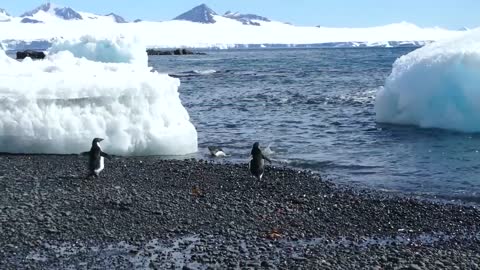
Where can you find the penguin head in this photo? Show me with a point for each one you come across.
(97, 140)
(256, 149)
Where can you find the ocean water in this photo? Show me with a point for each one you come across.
(315, 107)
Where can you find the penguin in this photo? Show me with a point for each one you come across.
(95, 155)
(257, 163)
(216, 151)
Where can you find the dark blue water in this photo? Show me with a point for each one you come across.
(315, 108)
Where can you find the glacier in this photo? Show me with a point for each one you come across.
(201, 27)
(436, 86)
(88, 88)
(224, 33)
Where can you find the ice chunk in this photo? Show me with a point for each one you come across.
(119, 50)
(437, 86)
(58, 105)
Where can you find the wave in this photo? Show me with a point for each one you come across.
(193, 73)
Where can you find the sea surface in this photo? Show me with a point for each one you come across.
(314, 107)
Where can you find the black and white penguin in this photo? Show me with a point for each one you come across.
(257, 163)
(216, 151)
(95, 155)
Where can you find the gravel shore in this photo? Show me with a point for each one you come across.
(148, 213)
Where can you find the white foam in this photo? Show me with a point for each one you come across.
(58, 105)
(205, 72)
(436, 86)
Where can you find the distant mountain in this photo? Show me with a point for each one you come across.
(117, 18)
(265, 34)
(463, 28)
(4, 16)
(65, 13)
(247, 19)
(199, 14)
(204, 14)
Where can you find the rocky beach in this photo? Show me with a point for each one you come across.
(149, 213)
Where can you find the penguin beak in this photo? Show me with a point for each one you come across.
(100, 139)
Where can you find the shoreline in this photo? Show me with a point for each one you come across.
(147, 212)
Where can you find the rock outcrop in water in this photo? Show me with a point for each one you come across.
(30, 53)
(174, 52)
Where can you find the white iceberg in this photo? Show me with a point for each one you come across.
(437, 86)
(58, 105)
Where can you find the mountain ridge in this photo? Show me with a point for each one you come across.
(204, 14)
(65, 13)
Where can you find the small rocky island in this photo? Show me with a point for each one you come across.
(173, 52)
(30, 53)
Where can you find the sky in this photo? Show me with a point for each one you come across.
(452, 14)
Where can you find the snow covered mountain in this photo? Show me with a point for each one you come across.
(247, 19)
(201, 27)
(116, 18)
(4, 16)
(44, 10)
(50, 13)
(198, 14)
(204, 14)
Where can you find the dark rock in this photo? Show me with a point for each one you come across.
(174, 52)
(265, 264)
(31, 54)
(28, 20)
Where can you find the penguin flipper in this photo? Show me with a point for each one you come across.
(266, 158)
(85, 153)
(105, 155)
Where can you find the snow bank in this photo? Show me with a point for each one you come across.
(437, 86)
(58, 105)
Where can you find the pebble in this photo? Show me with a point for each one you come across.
(227, 228)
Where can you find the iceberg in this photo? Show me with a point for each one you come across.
(436, 86)
(92, 88)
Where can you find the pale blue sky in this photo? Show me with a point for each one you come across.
(340, 13)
